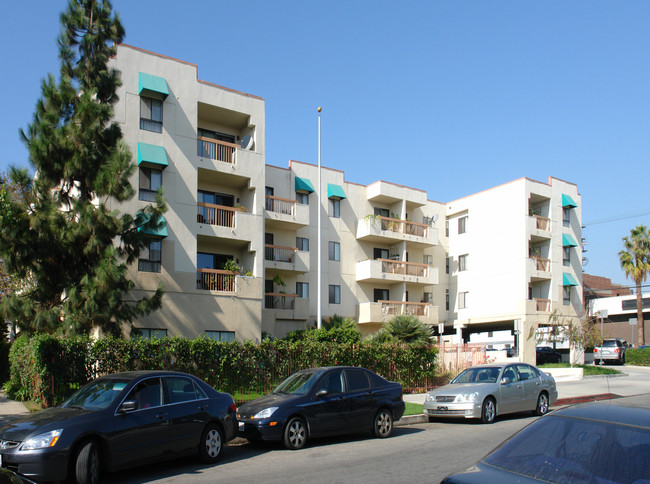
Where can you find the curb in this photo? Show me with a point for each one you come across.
(587, 398)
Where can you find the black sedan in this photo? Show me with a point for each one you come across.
(119, 421)
(603, 442)
(546, 354)
(323, 401)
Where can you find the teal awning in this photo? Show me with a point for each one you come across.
(568, 280)
(567, 202)
(148, 85)
(304, 185)
(142, 222)
(567, 241)
(335, 191)
(152, 154)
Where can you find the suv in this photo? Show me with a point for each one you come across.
(611, 350)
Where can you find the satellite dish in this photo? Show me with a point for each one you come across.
(247, 142)
(434, 219)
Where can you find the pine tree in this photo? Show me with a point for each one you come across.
(63, 234)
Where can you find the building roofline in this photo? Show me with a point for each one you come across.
(549, 183)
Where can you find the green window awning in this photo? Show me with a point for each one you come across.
(142, 222)
(304, 185)
(335, 191)
(568, 241)
(149, 85)
(567, 202)
(568, 280)
(152, 154)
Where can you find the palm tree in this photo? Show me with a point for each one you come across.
(635, 261)
(407, 328)
(336, 321)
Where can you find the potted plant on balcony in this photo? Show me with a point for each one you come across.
(372, 219)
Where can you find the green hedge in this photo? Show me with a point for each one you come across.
(47, 369)
(639, 357)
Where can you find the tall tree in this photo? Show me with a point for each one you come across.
(63, 234)
(635, 261)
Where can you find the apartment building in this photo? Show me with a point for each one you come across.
(238, 254)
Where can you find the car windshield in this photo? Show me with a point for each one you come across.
(560, 449)
(96, 395)
(478, 375)
(298, 383)
(609, 343)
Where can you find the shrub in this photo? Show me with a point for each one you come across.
(638, 356)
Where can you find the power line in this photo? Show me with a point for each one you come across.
(616, 218)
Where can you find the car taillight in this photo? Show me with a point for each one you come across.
(233, 407)
(595, 350)
(617, 350)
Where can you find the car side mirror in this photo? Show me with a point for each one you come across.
(129, 406)
(321, 393)
(505, 380)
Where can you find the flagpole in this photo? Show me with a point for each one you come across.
(319, 290)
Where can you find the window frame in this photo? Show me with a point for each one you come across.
(302, 198)
(462, 225)
(151, 124)
(148, 264)
(145, 190)
(462, 299)
(334, 210)
(334, 251)
(302, 290)
(301, 243)
(462, 262)
(566, 295)
(334, 294)
(566, 256)
(566, 216)
(209, 333)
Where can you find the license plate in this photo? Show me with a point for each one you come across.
(241, 426)
(442, 408)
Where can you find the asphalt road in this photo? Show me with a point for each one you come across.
(417, 453)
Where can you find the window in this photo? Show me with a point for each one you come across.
(335, 251)
(150, 257)
(302, 198)
(182, 389)
(151, 114)
(335, 208)
(566, 259)
(148, 333)
(427, 297)
(381, 295)
(225, 336)
(447, 299)
(462, 300)
(150, 182)
(357, 380)
(566, 293)
(462, 225)
(378, 253)
(428, 260)
(206, 133)
(214, 198)
(332, 383)
(335, 294)
(269, 191)
(447, 265)
(302, 289)
(148, 393)
(382, 212)
(302, 243)
(462, 262)
(566, 216)
(446, 228)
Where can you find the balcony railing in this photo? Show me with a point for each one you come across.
(542, 223)
(208, 213)
(404, 268)
(279, 253)
(284, 206)
(215, 280)
(542, 264)
(276, 300)
(404, 307)
(217, 150)
(404, 227)
(543, 305)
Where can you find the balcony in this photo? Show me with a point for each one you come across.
(542, 305)
(236, 167)
(539, 227)
(386, 270)
(215, 280)
(217, 150)
(287, 306)
(208, 213)
(539, 268)
(383, 311)
(287, 259)
(223, 222)
(383, 229)
(285, 214)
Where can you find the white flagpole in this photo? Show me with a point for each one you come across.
(318, 299)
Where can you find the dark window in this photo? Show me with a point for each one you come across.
(302, 198)
(302, 243)
(334, 294)
(302, 290)
(334, 208)
(150, 257)
(180, 389)
(334, 251)
(566, 259)
(376, 380)
(566, 293)
(206, 133)
(150, 182)
(357, 380)
(148, 333)
(381, 295)
(226, 336)
(206, 260)
(269, 191)
(566, 216)
(383, 212)
(223, 199)
(151, 114)
(147, 393)
(332, 382)
(447, 299)
(379, 253)
(447, 265)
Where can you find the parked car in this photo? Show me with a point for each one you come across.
(119, 421)
(600, 442)
(546, 354)
(611, 350)
(323, 401)
(489, 390)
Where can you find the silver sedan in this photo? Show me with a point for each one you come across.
(489, 390)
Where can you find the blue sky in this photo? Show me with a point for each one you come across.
(448, 97)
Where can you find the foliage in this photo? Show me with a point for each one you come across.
(406, 328)
(231, 265)
(62, 231)
(635, 262)
(336, 321)
(638, 356)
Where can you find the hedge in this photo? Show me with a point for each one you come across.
(638, 356)
(47, 369)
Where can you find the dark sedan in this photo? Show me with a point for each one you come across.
(323, 401)
(603, 442)
(546, 354)
(119, 421)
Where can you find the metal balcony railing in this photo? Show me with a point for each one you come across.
(279, 253)
(404, 308)
(404, 268)
(216, 149)
(277, 300)
(216, 280)
(284, 206)
(208, 213)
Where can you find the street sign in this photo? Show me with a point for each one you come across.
(632, 321)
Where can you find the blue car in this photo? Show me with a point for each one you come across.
(320, 402)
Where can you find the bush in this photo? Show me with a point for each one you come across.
(638, 356)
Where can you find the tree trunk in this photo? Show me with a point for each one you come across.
(639, 314)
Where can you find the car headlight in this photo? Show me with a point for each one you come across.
(42, 441)
(467, 397)
(429, 398)
(266, 413)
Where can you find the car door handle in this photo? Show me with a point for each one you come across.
(161, 416)
(203, 407)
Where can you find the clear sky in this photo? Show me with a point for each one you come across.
(449, 97)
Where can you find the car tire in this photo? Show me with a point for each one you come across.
(488, 410)
(87, 463)
(431, 419)
(383, 426)
(542, 404)
(295, 434)
(211, 444)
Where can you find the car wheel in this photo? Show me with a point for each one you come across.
(211, 444)
(295, 434)
(383, 424)
(432, 419)
(488, 410)
(87, 464)
(542, 404)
